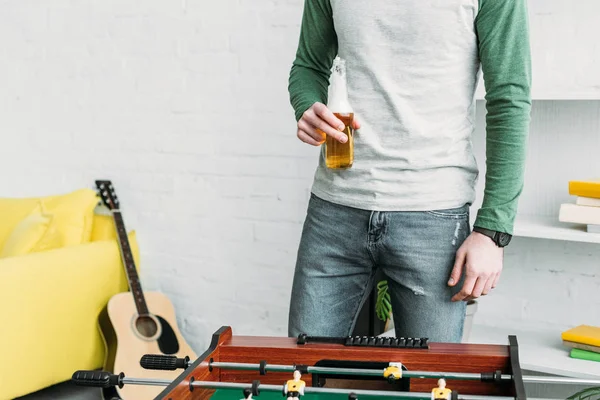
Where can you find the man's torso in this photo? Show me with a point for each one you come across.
(412, 69)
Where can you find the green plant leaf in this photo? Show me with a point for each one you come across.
(383, 306)
(586, 394)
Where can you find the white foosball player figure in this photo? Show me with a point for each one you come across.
(441, 392)
(294, 388)
(247, 394)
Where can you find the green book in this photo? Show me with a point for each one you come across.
(585, 355)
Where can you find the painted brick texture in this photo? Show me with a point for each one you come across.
(184, 105)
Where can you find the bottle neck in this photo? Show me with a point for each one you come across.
(338, 94)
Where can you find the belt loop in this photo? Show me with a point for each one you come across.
(370, 222)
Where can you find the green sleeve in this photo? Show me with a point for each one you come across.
(504, 50)
(309, 76)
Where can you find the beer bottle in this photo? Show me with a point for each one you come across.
(340, 155)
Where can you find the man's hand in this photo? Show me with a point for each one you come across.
(481, 261)
(318, 121)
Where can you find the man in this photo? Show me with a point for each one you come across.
(403, 207)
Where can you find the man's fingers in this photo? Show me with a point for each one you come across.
(495, 280)
(480, 286)
(459, 263)
(324, 120)
(316, 123)
(488, 285)
(466, 290)
(323, 126)
(319, 120)
(306, 138)
(326, 115)
(316, 135)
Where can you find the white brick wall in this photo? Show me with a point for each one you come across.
(184, 105)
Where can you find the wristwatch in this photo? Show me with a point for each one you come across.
(500, 238)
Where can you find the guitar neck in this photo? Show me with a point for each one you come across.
(129, 263)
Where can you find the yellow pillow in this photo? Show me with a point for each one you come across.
(74, 215)
(12, 211)
(36, 232)
(103, 228)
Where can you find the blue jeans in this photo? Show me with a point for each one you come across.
(340, 251)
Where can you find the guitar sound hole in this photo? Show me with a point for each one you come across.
(146, 326)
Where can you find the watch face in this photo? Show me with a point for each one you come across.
(503, 239)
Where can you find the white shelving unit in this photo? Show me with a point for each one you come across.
(539, 350)
(533, 226)
(564, 145)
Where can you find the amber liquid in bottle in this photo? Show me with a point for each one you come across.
(341, 155)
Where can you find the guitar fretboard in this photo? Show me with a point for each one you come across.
(132, 275)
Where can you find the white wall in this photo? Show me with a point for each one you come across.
(184, 106)
(551, 284)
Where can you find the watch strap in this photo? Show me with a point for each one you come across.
(486, 232)
(494, 235)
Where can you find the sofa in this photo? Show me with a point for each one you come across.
(60, 263)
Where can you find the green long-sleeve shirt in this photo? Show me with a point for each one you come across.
(413, 68)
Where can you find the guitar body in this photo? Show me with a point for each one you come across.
(128, 337)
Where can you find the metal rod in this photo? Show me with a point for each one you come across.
(407, 374)
(352, 371)
(146, 381)
(447, 375)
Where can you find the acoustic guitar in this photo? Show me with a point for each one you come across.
(136, 323)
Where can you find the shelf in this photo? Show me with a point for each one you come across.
(539, 351)
(551, 228)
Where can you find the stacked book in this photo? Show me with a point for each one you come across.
(583, 342)
(586, 209)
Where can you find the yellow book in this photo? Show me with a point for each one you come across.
(584, 334)
(585, 188)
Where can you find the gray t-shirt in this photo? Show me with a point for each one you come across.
(412, 70)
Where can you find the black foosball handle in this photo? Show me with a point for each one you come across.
(162, 362)
(101, 379)
(368, 341)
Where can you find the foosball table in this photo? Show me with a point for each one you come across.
(316, 368)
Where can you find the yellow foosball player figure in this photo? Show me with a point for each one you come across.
(441, 392)
(393, 372)
(294, 388)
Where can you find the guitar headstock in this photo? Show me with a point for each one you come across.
(107, 194)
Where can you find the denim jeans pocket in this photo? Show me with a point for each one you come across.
(452, 213)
